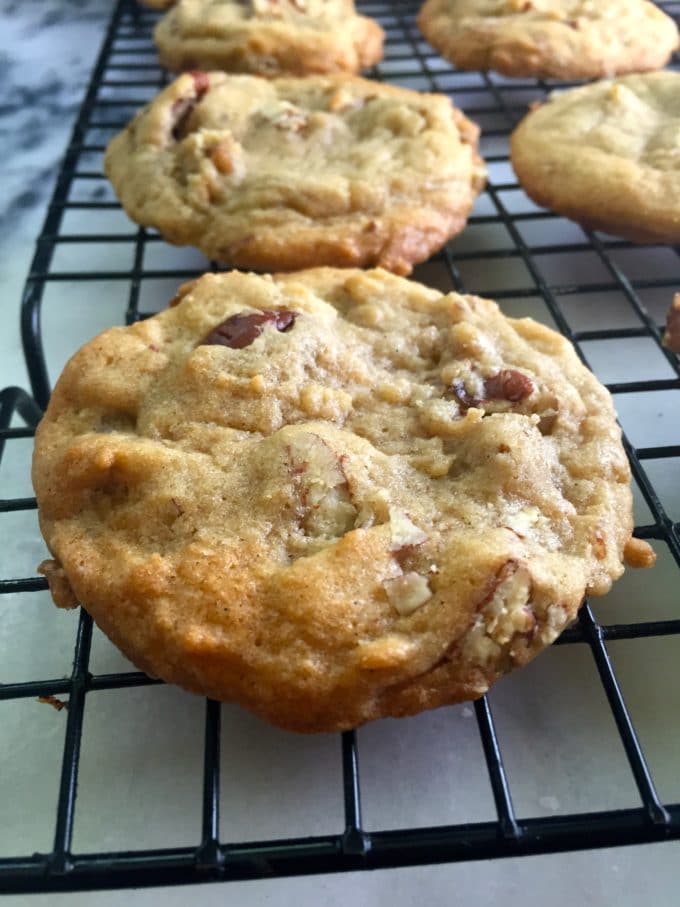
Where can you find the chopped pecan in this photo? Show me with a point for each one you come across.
(57, 704)
(523, 520)
(326, 509)
(284, 116)
(239, 331)
(182, 109)
(462, 396)
(403, 532)
(507, 384)
(201, 82)
(504, 614)
(408, 592)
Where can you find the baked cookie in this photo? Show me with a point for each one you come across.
(608, 156)
(558, 39)
(333, 495)
(671, 337)
(288, 173)
(268, 37)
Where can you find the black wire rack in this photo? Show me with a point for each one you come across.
(125, 75)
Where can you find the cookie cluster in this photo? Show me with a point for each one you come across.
(334, 494)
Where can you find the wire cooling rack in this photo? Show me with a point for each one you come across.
(580, 285)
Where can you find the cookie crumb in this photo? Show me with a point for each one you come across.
(57, 704)
(671, 337)
(60, 587)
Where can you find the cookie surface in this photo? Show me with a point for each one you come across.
(333, 495)
(608, 156)
(268, 37)
(289, 173)
(560, 39)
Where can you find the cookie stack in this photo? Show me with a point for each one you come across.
(334, 494)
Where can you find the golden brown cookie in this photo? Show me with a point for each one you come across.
(288, 173)
(268, 37)
(559, 39)
(608, 156)
(331, 496)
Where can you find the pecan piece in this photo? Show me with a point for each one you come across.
(403, 532)
(505, 614)
(460, 393)
(183, 107)
(284, 116)
(57, 704)
(407, 593)
(201, 82)
(239, 331)
(508, 384)
(326, 509)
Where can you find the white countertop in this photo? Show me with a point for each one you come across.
(140, 773)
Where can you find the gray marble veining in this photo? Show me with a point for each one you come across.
(47, 50)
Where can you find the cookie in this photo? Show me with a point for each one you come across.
(331, 496)
(290, 173)
(268, 37)
(558, 39)
(671, 337)
(608, 156)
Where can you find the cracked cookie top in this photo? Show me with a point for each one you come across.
(333, 495)
(289, 173)
(560, 39)
(268, 37)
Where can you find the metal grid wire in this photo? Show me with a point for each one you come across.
(127, 66)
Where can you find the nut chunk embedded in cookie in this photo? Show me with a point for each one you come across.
(557, 39)
(290, 173)
(333, 495)
(268, 37)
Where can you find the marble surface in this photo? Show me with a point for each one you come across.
(47, 50)
(140, 771)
